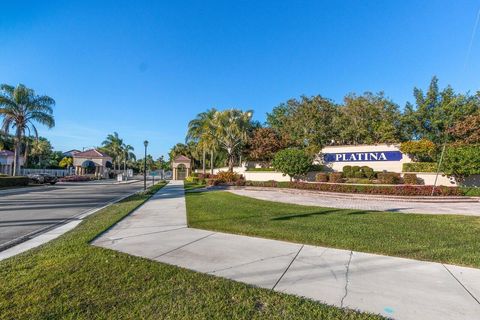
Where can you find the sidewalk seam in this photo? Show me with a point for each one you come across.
(288, 267)
(465, 288)
(347, 278)
(183, 246)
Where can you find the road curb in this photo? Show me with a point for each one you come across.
(56, 231)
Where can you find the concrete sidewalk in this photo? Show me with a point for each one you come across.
(394, 287)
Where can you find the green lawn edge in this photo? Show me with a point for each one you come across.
(452, 239)
(68, 278)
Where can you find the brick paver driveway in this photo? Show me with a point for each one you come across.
(471, 208)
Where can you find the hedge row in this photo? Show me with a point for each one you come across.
(419, 167)
(401, 190)
(13, 181)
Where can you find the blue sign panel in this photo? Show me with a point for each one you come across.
(363, 156)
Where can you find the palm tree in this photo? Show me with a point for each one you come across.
(128, 155)
(21, 108)
(231, 131)
(113, 145)
(201, 131)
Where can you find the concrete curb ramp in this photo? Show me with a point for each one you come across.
(394, 287)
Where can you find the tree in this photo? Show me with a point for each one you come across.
(423, 150)
(21, 108)
(201, 132)
(467, 131)
(231, 131)
(307, 123)
(179, 149)
(112, 145)
(127, 154)
(66, 162)
(41, 151)
(292, 162)
(436, 111)
(461, 161)
(263, 144)
(368, 119)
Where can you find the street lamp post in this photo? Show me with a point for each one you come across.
(145, 143)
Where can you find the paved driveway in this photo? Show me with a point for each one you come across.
(28, 212)
(325, 200)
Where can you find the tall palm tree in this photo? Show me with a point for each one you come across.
(113, 145)
(21, 108)
(231, 131)
(128, 155)
(201, 131)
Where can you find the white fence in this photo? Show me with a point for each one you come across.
(52, 172)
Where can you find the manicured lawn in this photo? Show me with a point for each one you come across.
(471, 191)
(443, 238)
(70, 279)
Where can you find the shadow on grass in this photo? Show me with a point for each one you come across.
(306, 215)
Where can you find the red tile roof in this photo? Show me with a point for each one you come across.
(181, 158)
(92, 153)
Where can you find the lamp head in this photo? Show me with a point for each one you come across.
(145, 143)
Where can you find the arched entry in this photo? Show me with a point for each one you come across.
(181, 172)
(88, 166)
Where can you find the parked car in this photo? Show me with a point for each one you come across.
(42, 178)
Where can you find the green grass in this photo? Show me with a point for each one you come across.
(191, 186)
(443, 238)
(70, 279)
(471, 191)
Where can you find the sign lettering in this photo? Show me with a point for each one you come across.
(363, 156)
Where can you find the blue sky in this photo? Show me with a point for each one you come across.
(145, 68)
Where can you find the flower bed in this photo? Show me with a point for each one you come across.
(74, 179)
(400, 190)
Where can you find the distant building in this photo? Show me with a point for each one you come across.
(7, 158)
(71, 153)
(92, 162)
(181, 166)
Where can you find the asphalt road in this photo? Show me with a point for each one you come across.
(25, 213)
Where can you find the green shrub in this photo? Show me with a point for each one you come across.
(355, 169)
(335, 177)
(422, 150)
(321, 177)
(419, 167)
(316, 168)
(461, 161)
(347, 171)
(358, 175)
(13, 181)
(292, 162)
(410, 178)
(359, 181)
(368, 172)
(389, 177)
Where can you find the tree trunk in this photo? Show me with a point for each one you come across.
(204, 159)
(25, 157)
(211, 162)
(230, 162)
(18, 145)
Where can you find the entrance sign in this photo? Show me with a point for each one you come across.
(363, 156)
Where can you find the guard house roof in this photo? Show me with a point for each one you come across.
(181, 158)
(92, 153)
